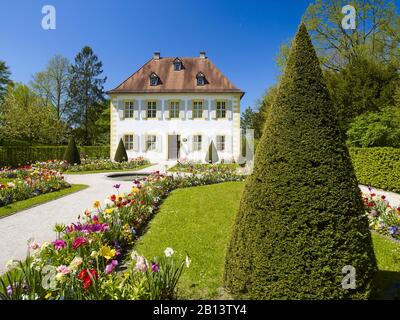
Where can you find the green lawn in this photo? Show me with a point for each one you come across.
(197, 220)
(108, 170)
(25, 204)
(202, 166)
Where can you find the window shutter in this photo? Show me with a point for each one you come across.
(159, 110)
(182, 110)
(120, 109)
(205, 143)
(143, 107)
(228, 144)
(205, 109)
(213, 109)
(159, 143)
(189, 108)
(190, 144)
(143, 142)
(136, 112)
(229, 111)
(136, 143)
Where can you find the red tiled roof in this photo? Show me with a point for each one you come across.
(177, 81)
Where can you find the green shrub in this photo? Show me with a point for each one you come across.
(71, 154)
(301, 217)
(20, 155)
(378, 167)
(120, 154)
(212, 154)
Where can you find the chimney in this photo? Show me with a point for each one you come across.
(203, 55)
(156, 55)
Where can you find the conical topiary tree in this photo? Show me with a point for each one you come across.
(71, 154)
(301, 218)
(212, 154)
(120, 154)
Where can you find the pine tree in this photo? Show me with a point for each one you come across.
(212, 154)
(301, 218)
(120, 154)
(71, 154)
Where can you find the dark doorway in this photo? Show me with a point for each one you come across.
(174, 146)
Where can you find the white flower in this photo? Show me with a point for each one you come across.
(188, 261)
(108, 202)
(169, 252)
(134, 255)
(11, 184)
(11, 264)
(45, 245)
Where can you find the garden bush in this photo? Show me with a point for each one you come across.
(120, 154)
(71, 154)
(301, 218)
(21, 155)
(378, 167)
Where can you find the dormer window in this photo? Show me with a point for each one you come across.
(154, 79)
(177, 64)
(201, 79)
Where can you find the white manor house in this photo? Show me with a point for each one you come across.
(173, 108)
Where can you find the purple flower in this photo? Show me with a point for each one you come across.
(155, 267)
(374, 213)
(117, 186)
(111, 266)
(393, 230)
(59, 244)
(369, 188)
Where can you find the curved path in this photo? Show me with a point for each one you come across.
(38, 222)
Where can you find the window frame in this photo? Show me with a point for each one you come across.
(197, 143)
(129, 145)
(151, 145)
(173, 113)
(153, 77)
(220, 109)
(221, 144)
(152, 103)
(177, 63)
(197, 103)
(129, 112)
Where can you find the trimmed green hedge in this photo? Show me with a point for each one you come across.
(378, 167)
(20, 155)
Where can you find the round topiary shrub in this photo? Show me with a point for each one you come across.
(120, 154)
(71, 154)
(301, 218)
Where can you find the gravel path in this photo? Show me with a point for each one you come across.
(38, 222)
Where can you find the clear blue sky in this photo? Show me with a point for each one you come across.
(241, 37)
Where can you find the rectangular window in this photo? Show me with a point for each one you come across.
(197, 143)
(151, 142)
(221, 109)
(128, 109)
(197, 109)
(174, 109)
(128, 141)
(151, 109)
(220, 143)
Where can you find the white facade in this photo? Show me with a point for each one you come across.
(154, 138)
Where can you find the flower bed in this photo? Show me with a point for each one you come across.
(91, 165)
(91, 259)
(28, 182)
(383, 218)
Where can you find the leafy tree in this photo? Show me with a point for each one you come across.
(4, 78)
(246, 118)
(120, 154)
(71, 154)
(301, 218)
(52, 84)
(380, 129)
(85, 93)
(362, 86)
(102, 125)
(24, 117)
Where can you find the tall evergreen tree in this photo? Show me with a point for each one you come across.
(120, 154)
(301, 218)
(86, 93)
(71, 154)
(4, 78)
